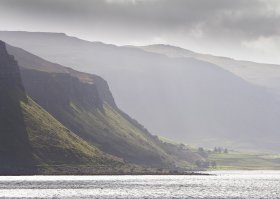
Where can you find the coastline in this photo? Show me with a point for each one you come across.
(100, 173)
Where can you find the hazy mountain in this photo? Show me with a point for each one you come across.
(187, 99)
(32, 141)
(265, 75)
(84, 104)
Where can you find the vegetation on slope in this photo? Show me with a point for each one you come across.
(84, 104)
(34, 142)
(77, 105)
(243, 111)
(245, 161)
(53, 144)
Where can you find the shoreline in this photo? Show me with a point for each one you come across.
(116, 174)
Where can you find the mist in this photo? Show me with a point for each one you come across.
(241, 29)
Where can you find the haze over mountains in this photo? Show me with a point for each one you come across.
(176, 93)
(266, 75)
(58, 120)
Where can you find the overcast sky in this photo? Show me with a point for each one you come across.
(242, 29)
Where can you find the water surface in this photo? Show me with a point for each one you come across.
(225, 184)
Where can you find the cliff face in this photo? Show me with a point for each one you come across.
(31, 140)
(32, 62)
(84, 104)
(10, 74)
(57, 91)
(186, 99)
(15, 150)
(79, 106)
(60, 119)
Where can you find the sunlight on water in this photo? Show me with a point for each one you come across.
(225, 184)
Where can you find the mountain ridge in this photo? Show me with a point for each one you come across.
(136, 46)
(200, 102)
(74, 99)
(32, 141)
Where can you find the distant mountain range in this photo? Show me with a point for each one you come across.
(266, 75)
(189, 97)
(58, 120)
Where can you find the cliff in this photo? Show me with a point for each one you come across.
(33, 142)
(84, 104)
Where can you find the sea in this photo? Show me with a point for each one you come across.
(219, 185)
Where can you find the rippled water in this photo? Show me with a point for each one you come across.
(226, 184)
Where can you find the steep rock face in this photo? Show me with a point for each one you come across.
(30, 61)
(186, 99)
(15, 149)
(32, 141)
(84, 104)
(77, 105)
(10, 74)
(57, 91)
(57, 150)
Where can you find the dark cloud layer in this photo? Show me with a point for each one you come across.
(209, 20)
(245, 17)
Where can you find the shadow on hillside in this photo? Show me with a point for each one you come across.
(15, 149)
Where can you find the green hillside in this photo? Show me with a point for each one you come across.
(34, 142)
(75, 105)
(54, 146)
(245, 161)
(84, 104)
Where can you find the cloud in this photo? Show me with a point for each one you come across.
(242, 17)
(208, 21)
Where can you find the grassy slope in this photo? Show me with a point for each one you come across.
(240, 160)
(31, 138)
(92, 115)
(35, 142)
(115, 135)
(77, 106)
(246, 161)
(54, 146)
(118, 135)
(59, 151)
